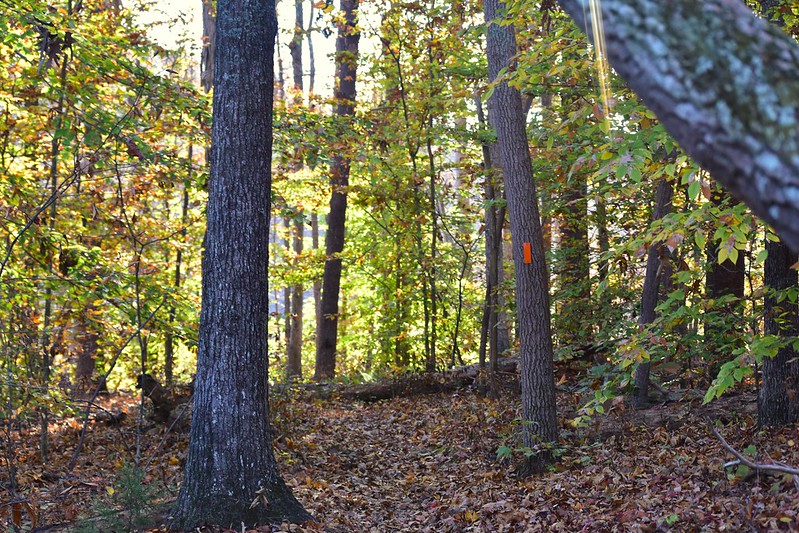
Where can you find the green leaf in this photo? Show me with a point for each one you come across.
(694, 189)
(504, 452)
(700, 239)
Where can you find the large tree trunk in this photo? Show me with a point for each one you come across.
(231, 476)
(653, 280)
(723, 82)
(344, 94)
(778, 403)
(532, 291)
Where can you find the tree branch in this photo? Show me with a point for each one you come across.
(724, 84)
(770, 468)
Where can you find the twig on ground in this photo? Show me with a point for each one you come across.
(775, 468)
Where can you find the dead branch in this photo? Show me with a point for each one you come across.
(768, 468)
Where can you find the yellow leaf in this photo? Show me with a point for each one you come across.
(110, 491)
(471, 516)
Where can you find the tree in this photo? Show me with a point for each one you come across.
(231, 476)
(346, 68)
(294, 341)
(506, 114)
(723, 82)
(724, 285)
(657, 258)
(778, 401)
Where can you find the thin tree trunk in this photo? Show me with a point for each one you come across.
(169, 357)
(657, 256)
(494, 222)
(540, 429)
(47, 337)
(208, 55)
(346, 69)
(294, 341)
(294, 348)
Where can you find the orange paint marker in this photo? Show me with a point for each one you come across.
(528, 253)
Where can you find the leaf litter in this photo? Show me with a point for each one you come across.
(430, 464)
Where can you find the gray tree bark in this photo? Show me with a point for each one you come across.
(724, 83)
(778, 401)
(506, 114)
(231, 477)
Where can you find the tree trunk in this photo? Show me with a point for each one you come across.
(723, 83)
(207, 57)
(294, 348)
(184, 219)
(778, 402)
(532, 292)
(494, 222)
(231, 476)
(297, 298)
(723, 279)
(344, 94)
(657, 256)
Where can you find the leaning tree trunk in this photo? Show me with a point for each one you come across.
(505, 113)
(346, 68)
(231, 476)
(723, 83)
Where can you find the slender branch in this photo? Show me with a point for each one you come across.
(773, 468)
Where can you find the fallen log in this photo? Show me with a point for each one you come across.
(420, 384)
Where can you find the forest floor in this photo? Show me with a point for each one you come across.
(429, 463)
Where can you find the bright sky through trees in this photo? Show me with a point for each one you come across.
(175, 20)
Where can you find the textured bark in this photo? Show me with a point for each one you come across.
(778, 402)
(231, 476)
(532, 291)
(344, 94)
(653, 280)
(208, 56)
(724, 83)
